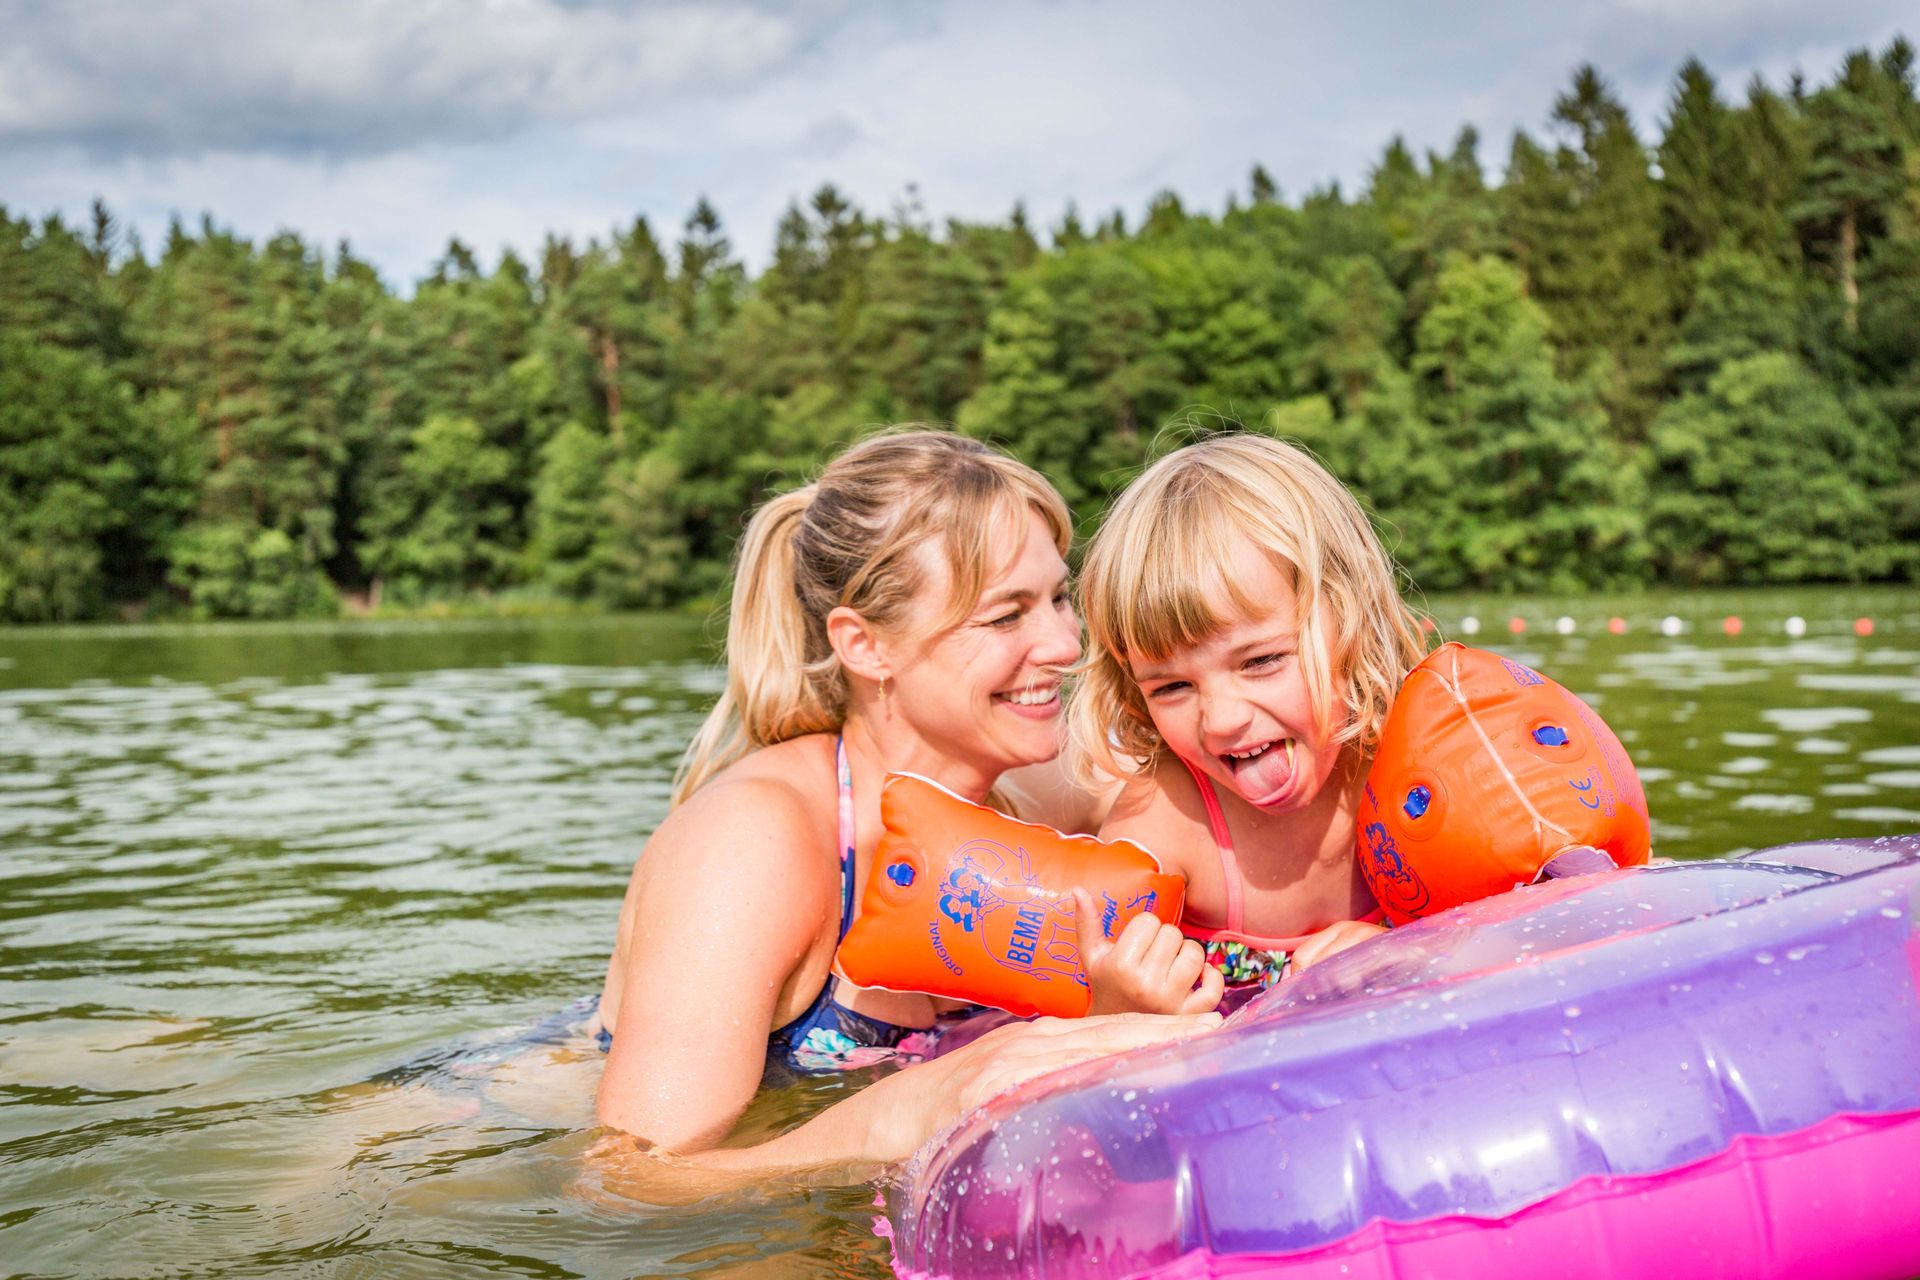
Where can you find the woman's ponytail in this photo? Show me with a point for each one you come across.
(774, 674)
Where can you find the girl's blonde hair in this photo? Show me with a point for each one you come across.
(1156, 579)
(852, 538)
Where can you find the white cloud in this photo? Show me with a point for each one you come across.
(354, 77)
(399, 123)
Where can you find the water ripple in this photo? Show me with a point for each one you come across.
(257, 885)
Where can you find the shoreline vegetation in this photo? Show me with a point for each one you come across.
(1679, 356)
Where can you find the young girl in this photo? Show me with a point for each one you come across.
(1248, 639)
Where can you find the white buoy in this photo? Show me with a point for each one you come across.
(1670, 626)
(1563, 624)
(1469, 626)
(1796, 626)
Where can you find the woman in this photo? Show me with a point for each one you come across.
(907, 612)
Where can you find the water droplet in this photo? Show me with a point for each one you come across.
(1763, 957)
(1572, 1011)
(1129, 1095)
(1891, 913)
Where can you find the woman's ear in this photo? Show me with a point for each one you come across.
(863, 651)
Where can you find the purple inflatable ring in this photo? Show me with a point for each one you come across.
(1705, 1069)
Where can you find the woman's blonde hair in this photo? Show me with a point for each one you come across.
(1156, 579)
(852, 538)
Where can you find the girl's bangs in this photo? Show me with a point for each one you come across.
(1183, 592)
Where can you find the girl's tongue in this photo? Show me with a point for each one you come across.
(1266, 775)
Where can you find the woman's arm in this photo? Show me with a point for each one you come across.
(891, 1119)
(733, 893)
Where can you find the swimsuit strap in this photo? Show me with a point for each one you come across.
(1222, 841)
(845, 773)
(1230, 875)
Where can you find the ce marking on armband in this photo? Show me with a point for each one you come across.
(1592, 794)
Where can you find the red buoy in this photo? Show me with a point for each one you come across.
(1863, 626)
(1617, 626)
(1517, 625)
(1731, 626)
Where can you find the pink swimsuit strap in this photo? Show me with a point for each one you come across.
(1230, 876)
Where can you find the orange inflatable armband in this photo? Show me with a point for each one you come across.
(968, 903)
(1487, 773)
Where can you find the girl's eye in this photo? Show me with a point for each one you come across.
(1163, 691)
(1266, 661)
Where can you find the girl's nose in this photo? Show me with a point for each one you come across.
(1224, 717)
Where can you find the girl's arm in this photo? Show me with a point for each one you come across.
(1045, 793)
(1151, 967)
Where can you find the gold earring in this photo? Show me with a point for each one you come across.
(883, 689)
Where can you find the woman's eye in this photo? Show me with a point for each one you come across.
(1063, 600)
(1005, 620)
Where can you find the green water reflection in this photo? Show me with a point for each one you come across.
(248, 874)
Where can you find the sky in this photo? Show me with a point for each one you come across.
(397, 124)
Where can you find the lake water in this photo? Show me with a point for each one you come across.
(251, 878)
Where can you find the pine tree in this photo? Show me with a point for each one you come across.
(1588, 225)
(1856, 171)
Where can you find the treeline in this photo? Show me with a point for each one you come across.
(1690, 360)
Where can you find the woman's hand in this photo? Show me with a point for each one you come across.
(923, 1100)
(1331, 941)
(1150, 968)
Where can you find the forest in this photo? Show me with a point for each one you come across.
(1631, 360)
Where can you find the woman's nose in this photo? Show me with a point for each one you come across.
(1059, 642)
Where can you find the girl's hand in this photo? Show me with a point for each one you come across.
(1331, 941)
(1150, 968)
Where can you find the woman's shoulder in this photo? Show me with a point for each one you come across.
(776, 809)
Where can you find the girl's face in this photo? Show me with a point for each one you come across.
(986, 692)
(1236, 705)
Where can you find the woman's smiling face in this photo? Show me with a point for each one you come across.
(987, 690)
(1237, 705)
